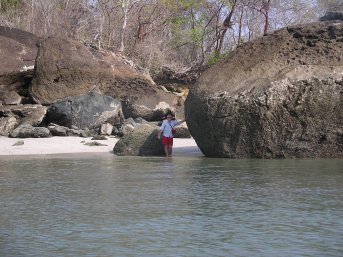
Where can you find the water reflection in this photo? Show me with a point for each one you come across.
(105, 206)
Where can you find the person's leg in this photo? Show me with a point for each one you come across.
(166, 149)
(170, 150)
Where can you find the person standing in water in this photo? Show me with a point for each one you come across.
(168, 130)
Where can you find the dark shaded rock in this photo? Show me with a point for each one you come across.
(277, 97)
(87, 111)
(27, 131)
(140, 142)
(99, 137)
(332, 16)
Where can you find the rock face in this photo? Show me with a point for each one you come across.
(18, 50)
(66, 68)
(87, 111)
(140, 142)
(280, 96)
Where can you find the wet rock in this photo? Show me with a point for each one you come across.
(140, 142)
(279, 96)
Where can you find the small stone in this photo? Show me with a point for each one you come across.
(20, 142)
(94, 144)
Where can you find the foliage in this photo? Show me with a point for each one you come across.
(161, 32)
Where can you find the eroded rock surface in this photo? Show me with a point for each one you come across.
(280, 96)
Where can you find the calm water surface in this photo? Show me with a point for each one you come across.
(116, 206)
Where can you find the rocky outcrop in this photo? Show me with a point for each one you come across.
(27, 131)
(24, 114)
(86, 111)
(7, 124)
(142, 141)
(9, 97)
(280, 96)
(66, 68)
(18, 50)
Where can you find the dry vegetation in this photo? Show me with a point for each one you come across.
(157, 33)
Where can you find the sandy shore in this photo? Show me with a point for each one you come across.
(65, 145)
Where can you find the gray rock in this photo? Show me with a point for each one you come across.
(7, 124)
(76, 133)
(106, 129)
(140, 120)
(18, 143)
(182, 132)
(87, 111)
(127, 128)
(277, 97)
(94, 144)
(140, 142)
(25, 114)
(10, 97)
(27, 131)
(57, 130)
(99, 137)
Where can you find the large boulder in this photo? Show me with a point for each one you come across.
(18, 50)
(142, 141)
(65, 68)
(86, 111)
(279, 96)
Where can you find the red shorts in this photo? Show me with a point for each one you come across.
(167, 140)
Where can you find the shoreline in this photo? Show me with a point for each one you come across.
(76, 145)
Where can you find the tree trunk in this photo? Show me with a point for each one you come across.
(124, 8)
(266, 7)
(226, 25)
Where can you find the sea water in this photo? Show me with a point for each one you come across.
(103, 205)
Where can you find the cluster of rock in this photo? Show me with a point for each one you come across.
(280, 96)
(59, 87)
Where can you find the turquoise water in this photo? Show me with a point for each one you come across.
(102, 205)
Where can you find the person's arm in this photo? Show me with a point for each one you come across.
(181, 121)
(160, 131)
(159, 134)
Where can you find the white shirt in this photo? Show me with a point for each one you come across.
(167, 126)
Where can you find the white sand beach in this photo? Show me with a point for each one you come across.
(65, 145)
